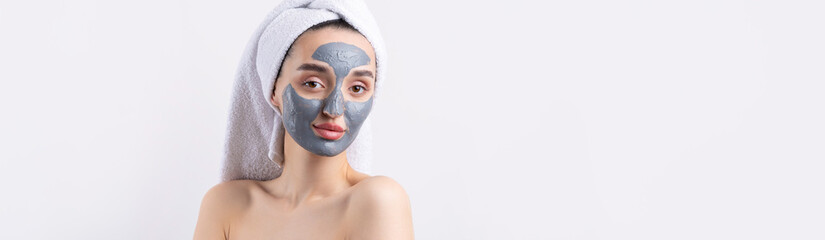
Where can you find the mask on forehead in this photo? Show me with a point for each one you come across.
(299, 112)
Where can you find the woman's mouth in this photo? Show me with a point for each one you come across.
(329, 131)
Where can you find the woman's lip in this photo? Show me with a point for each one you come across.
(329, 131)
(329, 126)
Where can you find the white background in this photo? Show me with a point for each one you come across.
(502, 120)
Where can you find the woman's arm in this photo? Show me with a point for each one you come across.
(380, 209)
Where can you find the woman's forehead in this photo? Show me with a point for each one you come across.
(310, 42)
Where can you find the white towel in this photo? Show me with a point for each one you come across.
(255, 135)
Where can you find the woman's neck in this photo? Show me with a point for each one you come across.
(307, 176)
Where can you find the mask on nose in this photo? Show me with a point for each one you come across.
(299, 112)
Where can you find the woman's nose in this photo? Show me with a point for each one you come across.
(334, 104)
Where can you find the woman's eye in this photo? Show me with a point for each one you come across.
(312, 84)
(357, 89)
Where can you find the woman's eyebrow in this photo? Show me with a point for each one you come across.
(363, 73)
(313, 67)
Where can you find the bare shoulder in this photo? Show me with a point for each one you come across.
(377, 189)
(221, 203)
(380, 209)
(230, 195)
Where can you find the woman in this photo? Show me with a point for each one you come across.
(321, 95)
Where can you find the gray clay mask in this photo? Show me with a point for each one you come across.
(299, 112)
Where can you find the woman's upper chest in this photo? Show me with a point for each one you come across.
(270, 218)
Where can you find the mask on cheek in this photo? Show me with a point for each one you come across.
(299, 112)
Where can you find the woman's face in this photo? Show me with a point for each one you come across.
(325, 89)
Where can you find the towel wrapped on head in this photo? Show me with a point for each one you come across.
(254, 147)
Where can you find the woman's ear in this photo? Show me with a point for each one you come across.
(274, 99)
